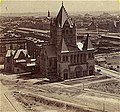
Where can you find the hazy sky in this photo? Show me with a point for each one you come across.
(14, 6)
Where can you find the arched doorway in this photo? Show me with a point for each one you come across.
(65, 74)
(91, 70)
(78, 72)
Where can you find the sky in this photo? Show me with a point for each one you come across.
(22, 6)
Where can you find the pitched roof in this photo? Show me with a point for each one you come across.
(17, 54)
(10, 53)
(62, 17)
(64, 47)
(50, 51)
(72, 48)
(88, 44)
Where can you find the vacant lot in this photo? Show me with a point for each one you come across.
(108, 86)
(29, 93)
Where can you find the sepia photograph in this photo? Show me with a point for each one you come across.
(59, 55)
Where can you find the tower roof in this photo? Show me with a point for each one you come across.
(48, 13)
(64, 47)
(88, 44)
(62, 17)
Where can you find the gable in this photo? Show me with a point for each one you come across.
(22, 55)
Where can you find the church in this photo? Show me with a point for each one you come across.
(63, 57)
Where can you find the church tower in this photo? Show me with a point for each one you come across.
(48, 16)
(61, 28)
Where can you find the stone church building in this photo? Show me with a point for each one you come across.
(63, 57)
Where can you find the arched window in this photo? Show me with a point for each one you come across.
(77, 58)
(74, 58)
(65, 58)
(71, 31)
(67, 31)
(84, 57)
(71, 58)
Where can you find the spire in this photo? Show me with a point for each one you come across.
(62, 3)
(48, 13)
(88, 44)
(62, 16)
(64, 47)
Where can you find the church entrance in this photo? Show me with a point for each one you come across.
(78, 72)
(65, 76)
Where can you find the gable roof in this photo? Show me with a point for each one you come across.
(50, 51)
(88, 44)
(10, 53)
(62, 17)
(19, 51)
(65, 48)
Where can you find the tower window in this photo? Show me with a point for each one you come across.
(63, 31)
(71, 31)
(74, 58)
(84, 57)
(89, 56)
(66, 31)
(65, 58)
(71, 58)
(93, 55)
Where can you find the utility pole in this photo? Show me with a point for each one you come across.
(103, 107)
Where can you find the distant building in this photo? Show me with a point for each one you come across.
(34, 46)
(63, 58)
(18, 61)
(92, 26)
(10, 40)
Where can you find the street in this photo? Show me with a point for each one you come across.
(8, 102)
(108, 72)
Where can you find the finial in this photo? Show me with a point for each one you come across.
(62, 3)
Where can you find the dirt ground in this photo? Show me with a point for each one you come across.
(73, 91)
(108, 86)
